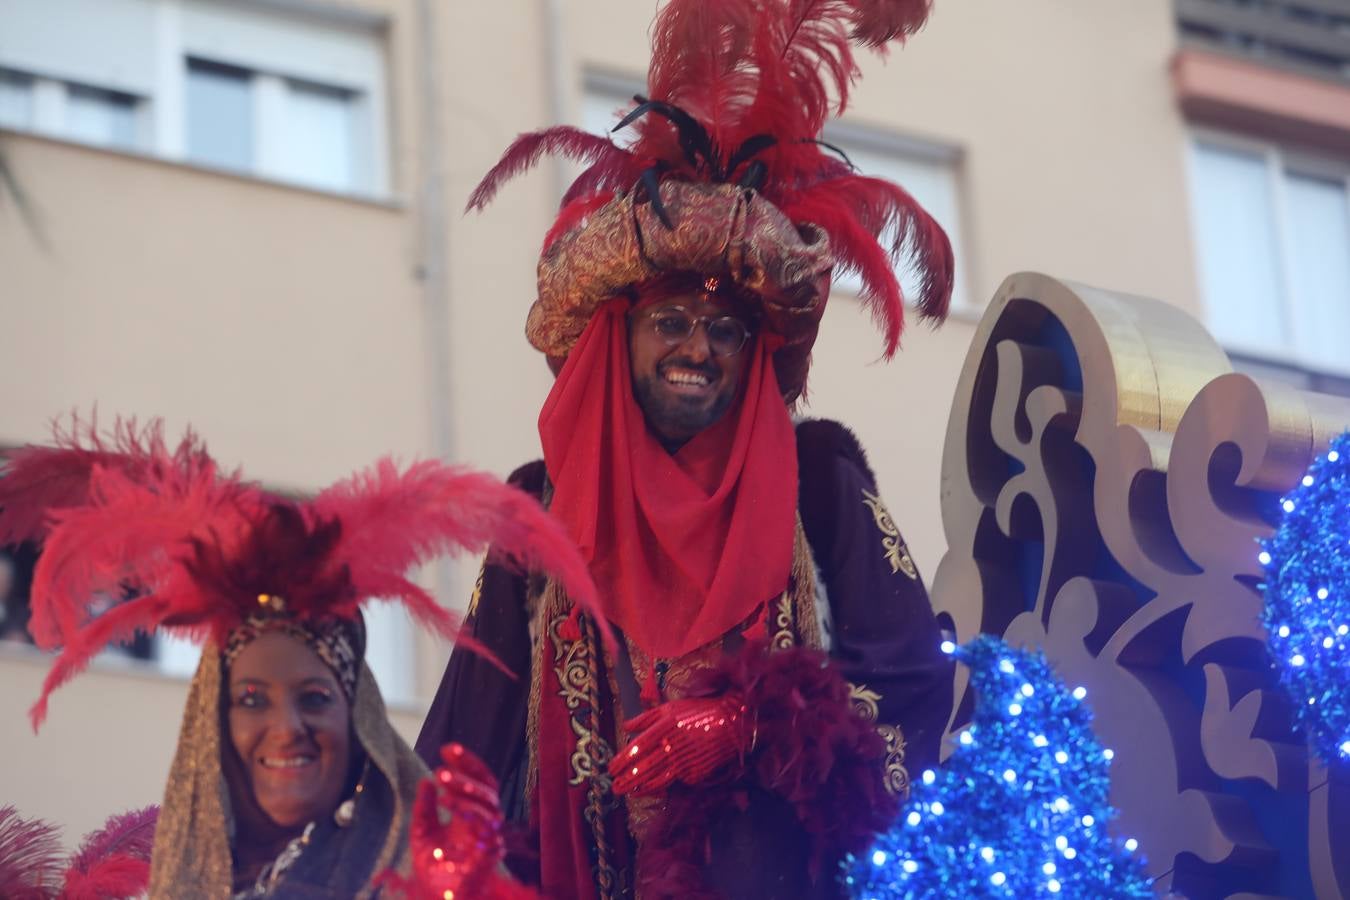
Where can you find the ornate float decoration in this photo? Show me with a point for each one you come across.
(1106, 480)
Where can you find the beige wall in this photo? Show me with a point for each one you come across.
(291, 327)
(282, 323)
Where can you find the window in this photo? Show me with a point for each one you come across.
(219, 115)
(927, 171)
(16, 100)
(70, 110)
(17, 565)
(318, 136)
(16, 579)
(1272, 233)
(101, 117)
(284, 128)
(270, 90)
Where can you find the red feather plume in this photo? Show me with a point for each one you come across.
(854, 210)
(115, 860)
(112, 862)
(394, 520)
(131, 535)
(526, 151)
(40, 479)
(195, 547)
(30, 857)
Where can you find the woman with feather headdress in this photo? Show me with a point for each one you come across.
(288, 779)
(779, 668)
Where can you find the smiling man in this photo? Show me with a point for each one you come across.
(777, 672)
(685, 353)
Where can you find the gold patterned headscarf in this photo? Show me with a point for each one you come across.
(192, 857)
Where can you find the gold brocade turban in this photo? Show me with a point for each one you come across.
(715, 228)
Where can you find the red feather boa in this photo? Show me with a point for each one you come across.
(811, 749)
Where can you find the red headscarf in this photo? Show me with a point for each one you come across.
(683, 546)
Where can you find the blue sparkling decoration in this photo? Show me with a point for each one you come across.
(1019, 810)
(1307, 612)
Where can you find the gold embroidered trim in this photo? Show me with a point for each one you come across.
(572, 667)
(794, 612)
(576, 666)
(897, 554)
(897, 776)
(477, 590)
(591, 757)
(866, 704)
(864, 701)
(783, 638)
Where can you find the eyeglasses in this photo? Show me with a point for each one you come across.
(675, 324)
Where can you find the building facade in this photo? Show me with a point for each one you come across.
(247, 216)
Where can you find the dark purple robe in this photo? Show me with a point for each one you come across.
(881, 631)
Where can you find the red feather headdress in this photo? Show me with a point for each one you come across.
(738, 92)
(200, 548)
(112, 862)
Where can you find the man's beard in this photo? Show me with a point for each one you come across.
(670, 414)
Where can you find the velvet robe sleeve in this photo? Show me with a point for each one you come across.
(477, 704)
(883, 631)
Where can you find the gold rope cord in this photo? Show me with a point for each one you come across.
(598, 792)
(807, 622)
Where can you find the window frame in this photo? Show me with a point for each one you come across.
(50, 110)
(161, 122)
(1279, 161)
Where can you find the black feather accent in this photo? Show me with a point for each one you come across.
(651, 182)
(694, 139)
(748, 149)
(754, 175)
(828, 146)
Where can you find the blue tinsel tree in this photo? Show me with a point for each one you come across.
(1307, 611)
(1019, 810)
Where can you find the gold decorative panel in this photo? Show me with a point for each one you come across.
(1105, 480)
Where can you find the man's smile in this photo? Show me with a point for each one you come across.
(687, 381)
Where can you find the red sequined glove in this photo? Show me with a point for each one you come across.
(455, 837)
(681, 740)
